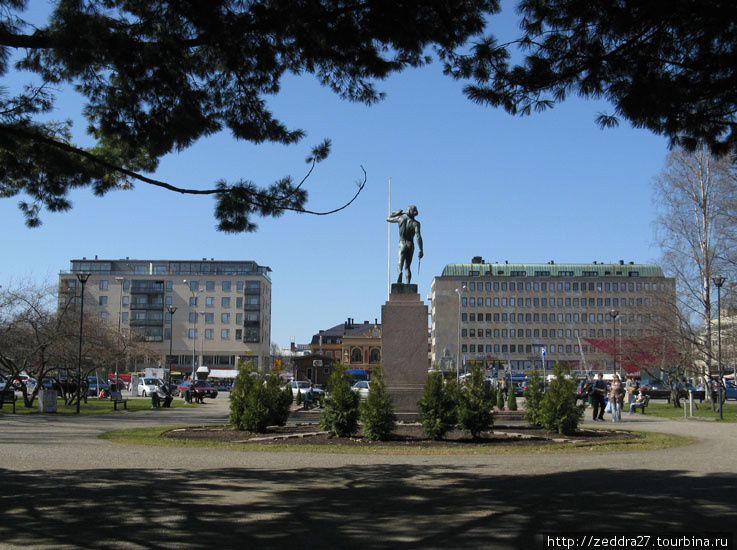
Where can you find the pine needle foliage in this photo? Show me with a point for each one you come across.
(533, 397)
(438, 406)
(341, 405)
(475, 404)
(377, 412)
(558, 410)
(511, 399)
(258, 401)
(500, 399)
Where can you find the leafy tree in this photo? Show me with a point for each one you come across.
(157, 76)
(474, 404)
(533, 397)
(341, 405)
(558, 410)
(438, 406)
(665, 66)
(377, 412)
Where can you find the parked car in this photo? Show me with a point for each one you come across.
(95, 385)
(199, 386)
(147, 386)
(307, 388)
(362, 388)
(730, 389)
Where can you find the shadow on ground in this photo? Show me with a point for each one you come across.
(383, 506)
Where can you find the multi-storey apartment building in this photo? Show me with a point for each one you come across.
(214, 312)
(509, 314)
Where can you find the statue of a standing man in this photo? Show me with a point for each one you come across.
(408, 228)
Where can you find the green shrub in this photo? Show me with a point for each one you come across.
(258, 401)
(533, 397)
(558, 410)
(438, 406)
(512, 399)
(341, 406)
(474, 404)
(299, 397)
(377, 412)
(500, 399)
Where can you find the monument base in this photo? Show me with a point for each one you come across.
(404, 348)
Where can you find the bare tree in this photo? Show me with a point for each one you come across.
(696, 197)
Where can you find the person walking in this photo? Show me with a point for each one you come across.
(598, 392)
(616, 397)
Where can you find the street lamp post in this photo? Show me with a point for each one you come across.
(458, 358)
(82, 278)
(719, 281)
(172, 310)
(614, 314)
(120, 327)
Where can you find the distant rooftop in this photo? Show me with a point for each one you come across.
(127, 266)
(479, 268)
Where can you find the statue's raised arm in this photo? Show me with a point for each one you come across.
(409, 227)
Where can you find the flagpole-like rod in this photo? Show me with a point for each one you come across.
(388, 244)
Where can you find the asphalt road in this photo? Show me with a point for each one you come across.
(61, 487)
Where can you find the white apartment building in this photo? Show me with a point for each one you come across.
(506, 315)
(214, 312)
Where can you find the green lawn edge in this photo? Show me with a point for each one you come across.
(92, 408)
(648, 441)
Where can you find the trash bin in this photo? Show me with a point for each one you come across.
(155, 400)
(47, 401)
(187, 396)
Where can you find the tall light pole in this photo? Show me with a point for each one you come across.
(719, 281)
(614, 314)
(202, 340)
(121, 280)
(172, 310)
(458, 358)
(82, 278)
(194, 338)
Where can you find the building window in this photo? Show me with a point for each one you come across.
(126, 301)
(209, 301)
(124, 317)
(209, 318)
(239, 334)
(103, 300)
(226, 286)
(194, 286)
(375, 356)
(169, 286)
(225, 301)
(210, 286)
(192, 333)
(103, 315)
(103, 284)
(225, 334)
(209, 334)
(192, 317)
(225, 318)
(193, 301)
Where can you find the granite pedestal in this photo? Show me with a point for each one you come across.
(404, 349)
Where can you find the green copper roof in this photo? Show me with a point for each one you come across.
(551, 270)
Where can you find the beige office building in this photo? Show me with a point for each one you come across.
(513, 315)
(223, 308)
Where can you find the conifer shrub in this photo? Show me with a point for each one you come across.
(500, 399)
(258, 401)
(533, 397)
(377, 412)
(512, 399)
(474, 404)
(341, 405)
(558, 410)
(299, 397)
(438, 406)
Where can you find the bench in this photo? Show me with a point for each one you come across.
(645, 401)
(117, 397)
(9, 396)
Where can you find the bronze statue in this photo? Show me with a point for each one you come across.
(408, 228)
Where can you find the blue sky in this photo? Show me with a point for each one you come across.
(552, 186)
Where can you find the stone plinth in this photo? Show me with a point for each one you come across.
(404, 347)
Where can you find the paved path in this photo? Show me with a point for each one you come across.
(61, 487)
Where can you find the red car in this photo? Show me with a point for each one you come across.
(200, 386)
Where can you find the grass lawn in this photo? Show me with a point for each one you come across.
(666, 410)
(93, 406)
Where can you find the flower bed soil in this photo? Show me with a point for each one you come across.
(405, 435)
